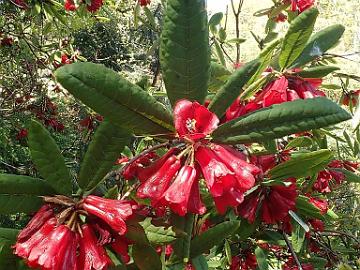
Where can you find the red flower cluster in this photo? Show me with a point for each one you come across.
(94, 5)
(173, 179)
(90, 122)
(245, 261)
(144, 2)
(291, 265)
(350, 98)
(54, 240)
(329, 176)
(281, 90)
(22, 134)
(300, 5)
(271, 203)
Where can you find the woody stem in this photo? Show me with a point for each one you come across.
(292, 251)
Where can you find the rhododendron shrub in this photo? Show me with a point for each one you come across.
(239, 178)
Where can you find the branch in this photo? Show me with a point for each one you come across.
(292, 251)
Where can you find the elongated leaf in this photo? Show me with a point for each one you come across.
(319, 43)
(302, 165)
(184, 50)
(182, 245)
(8, 234)
(297, 237)
(14, 203)
(306, 208)
(48, 159)
(233, 88)
(200, 263)
(146, 258)
(265, 59)
(218, 76)
(212, 237)
(317, 72)
(21, 184)
(297, 36)
(115, 98)
(108, 142)
(299, 142)
(158, 235)
(281, 120)
(299, 220)
(261, 258)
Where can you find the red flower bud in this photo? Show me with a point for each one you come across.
(112, 212)
(121, 247)
(177, 195)
(92, 256)
(322, 205)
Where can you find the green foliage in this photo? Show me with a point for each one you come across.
(107, 144)
(158, 235)
(233, 88)
(297, 36)
(281, 120)
(184, 51)
(117, 99)
(48, 159)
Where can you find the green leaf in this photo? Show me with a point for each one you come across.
(182, 245)
(216, 18)
(184, 50)
(261, 258)
(115, 98)
(15, 203)
(316, 72)
(304, 207)
(349, 176)
(299, 142)
(48, 159)
(302, 165)
(265, 58)
(233, 88)
(8, 234)
(319, 43)
(200, 263)
(107, 144)
(158, 235)
(219, 52)
(218, 76)
(146, 258)
(212, 237)
(281, 120)
(297, 237)
(297, 36)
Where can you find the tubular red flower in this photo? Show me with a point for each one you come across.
(56, 251)
(195, 205)
(112, 212)
(121, 247)
(177, 195)
(95, 5)
(275, 92)
(235, 160)
(158, 183)
(69, 5)
(218, 177)
(193, 121)
(278, 202)
(321, 204)
(23, 247)
(43, 215)
(265, 162)
(92, 256)
(136, 166)
(230, 198)
(144, 173)
(317, 224)
(249, 207)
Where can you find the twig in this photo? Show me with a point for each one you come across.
(292, 251)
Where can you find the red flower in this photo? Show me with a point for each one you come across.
(23, 133)
(226, 174)
(265, 162)
(87, 122)
(238, 108)
(121, 247)
(95, 5)
(244, 262)
(69, 5)
(8, 41)
(280, 18)
(65, 59)
(133, 169)
(112, 212)
(144, 2)
(155, 186)
(291, 265)
(92, 256)
(301, 5)
(20, 3)
(178, 194)
(39, 219)
(56, 251)
(317, 224)
(322, 205)
(193, 121)
(31, 238)
(275, 203)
